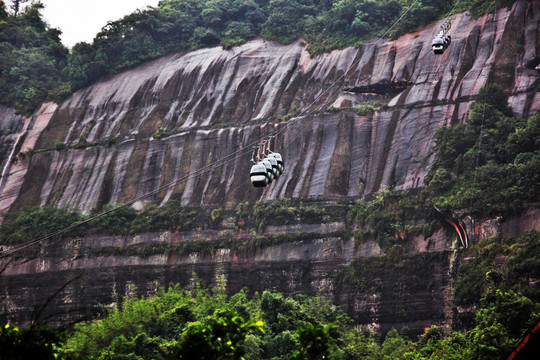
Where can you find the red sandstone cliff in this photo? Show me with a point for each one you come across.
(213, 101)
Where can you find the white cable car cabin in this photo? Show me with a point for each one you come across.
(275, 166)
(447, 40)
(269, 169)
(442, 40)
(279, 160)
(438, 45)
(259, 175)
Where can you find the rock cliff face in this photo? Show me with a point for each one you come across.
(65, 281)
(211, 103)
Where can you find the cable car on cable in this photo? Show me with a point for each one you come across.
(442, 40)
(447, 39)
(279, 160)
(438, 46)
(270, 168)
(275, 166)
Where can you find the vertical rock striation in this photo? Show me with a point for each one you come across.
(213, 102)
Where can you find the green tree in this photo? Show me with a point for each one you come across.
(32, 61)
(39, 344)
(16, 6)
(3, 11)
(499, 324)
(315, 342)
(394, 345)
(486, 164)
(220, 337)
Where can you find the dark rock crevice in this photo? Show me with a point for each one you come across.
(381, 88)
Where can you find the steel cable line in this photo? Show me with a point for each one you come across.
(241, 151)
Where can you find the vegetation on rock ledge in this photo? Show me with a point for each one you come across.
(488, 164)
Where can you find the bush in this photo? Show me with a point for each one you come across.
(59, 145)
(216, 215)
(81, 143)
(521, 266)
(365, 110)
(486, 165)
(32, 223)
(119, 221)
(161, 132)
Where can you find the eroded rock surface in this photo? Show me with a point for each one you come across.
(214, 102)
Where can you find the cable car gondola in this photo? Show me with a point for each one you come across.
(438, 46)
(442, 40)
(270, 168)
(279, 160)
(259, 175)
(275, 166)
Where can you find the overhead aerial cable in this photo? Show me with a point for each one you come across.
(222, 161)
(207, 168)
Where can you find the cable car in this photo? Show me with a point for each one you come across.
(279, 160)
(269, 169)
(272, 163)
(447, 39)
(259, 175)
(438, 46)
(275, 166)
(443, 39)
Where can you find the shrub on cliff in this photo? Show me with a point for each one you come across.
(389, 218)
(521, 266)
(488, 164)
(31, 223)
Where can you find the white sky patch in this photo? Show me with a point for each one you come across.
(81, 20)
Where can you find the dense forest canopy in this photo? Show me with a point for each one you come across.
(35, 66)
(33, 61)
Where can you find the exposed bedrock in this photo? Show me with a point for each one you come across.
(72, 280)
(64, 281)
(212, 102)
